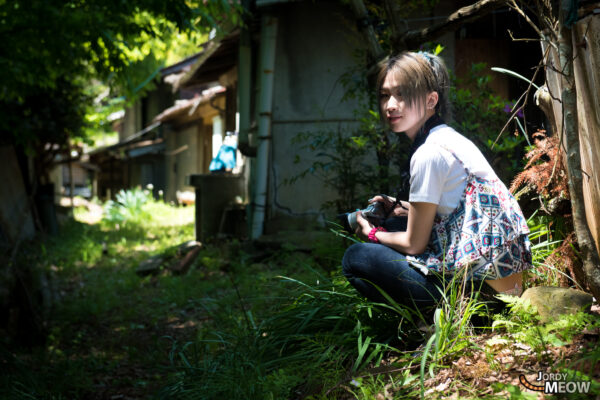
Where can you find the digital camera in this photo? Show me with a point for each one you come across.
(374, 213)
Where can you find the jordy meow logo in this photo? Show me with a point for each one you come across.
(555, 384)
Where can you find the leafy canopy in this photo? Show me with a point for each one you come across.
(48, 39)
(53, 49)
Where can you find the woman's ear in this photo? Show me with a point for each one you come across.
(432, 100)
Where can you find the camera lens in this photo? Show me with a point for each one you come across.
(352, 224)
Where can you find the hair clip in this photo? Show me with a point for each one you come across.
(426, 56)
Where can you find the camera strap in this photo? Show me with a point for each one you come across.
(397, 202)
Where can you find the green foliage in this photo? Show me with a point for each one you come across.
(547, 232)
(345, 163)
(522, 325)
(19, 381)
(63, 39)
(102, 315)
(452, 327)
(540, 236)
(315, 334)
(402, 10)
(55, 50)
(480, 115)
(514, 392)
(341, 164)
(100, 116)
(278, 327)
(558, 332)
(41, 118)
(369, 160)
(128, 207)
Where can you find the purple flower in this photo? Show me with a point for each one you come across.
(509, 108)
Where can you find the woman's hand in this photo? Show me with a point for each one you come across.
(364, 226)
(418, 229)
(400, 210)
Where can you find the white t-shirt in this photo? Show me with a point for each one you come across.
(437, 177)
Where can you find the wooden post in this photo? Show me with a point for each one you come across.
(71, 185)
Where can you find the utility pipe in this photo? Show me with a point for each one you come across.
(244, 79)
(268, 40)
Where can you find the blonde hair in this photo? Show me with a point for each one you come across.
(417, 75)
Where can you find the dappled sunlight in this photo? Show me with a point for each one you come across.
(157, 213)
(240, 306)
(179, 323)
(121, 120)
(164, 215)
(85, 211)
(245, 314)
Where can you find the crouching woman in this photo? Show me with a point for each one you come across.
(460, 218)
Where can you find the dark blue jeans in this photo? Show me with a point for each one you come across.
(368, 264)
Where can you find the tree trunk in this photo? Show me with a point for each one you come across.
(591, 261)
(365, 25)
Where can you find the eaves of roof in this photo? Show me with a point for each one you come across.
(219, 56)
(188, 106)
(146, 148)
(180, 66)
(129, 142)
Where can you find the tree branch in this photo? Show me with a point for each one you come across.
(412, 39)
(513, 5)
(514, 39)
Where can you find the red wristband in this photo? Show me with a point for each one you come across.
(372, 237)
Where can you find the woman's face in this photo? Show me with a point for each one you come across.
(399, 114)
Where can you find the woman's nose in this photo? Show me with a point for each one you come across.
(393, 103)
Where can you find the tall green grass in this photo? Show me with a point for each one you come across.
(314, 337)
(279, 328)
(96, 304)
(546, 234)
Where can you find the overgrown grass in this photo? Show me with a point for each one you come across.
(250, 323)
(307, 342)
(103, 317)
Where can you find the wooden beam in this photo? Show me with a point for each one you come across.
(412, 39)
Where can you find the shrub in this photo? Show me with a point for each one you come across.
(127, 207)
